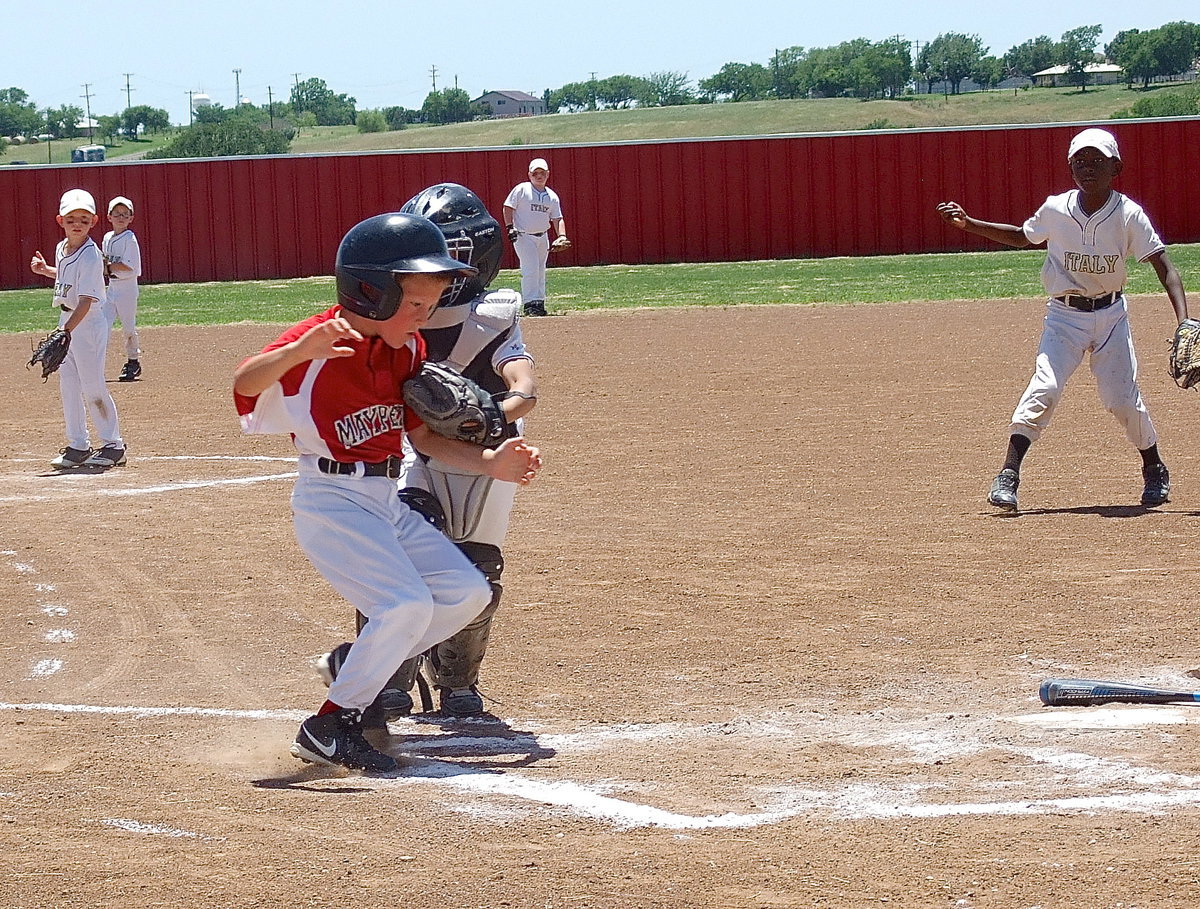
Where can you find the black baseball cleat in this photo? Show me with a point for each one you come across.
(461, 702)
(535, 307)
(1003, 493)
(130, 371)
(70, 458)
(328, 665)
(108, 456)
(336, 739)
(1158, 484)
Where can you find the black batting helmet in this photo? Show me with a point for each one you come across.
(375, 252)
(472, 234)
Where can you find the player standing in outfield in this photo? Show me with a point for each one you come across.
(122, 267)
(478, 333)
(530, 210)
(1089, 232)
(78, 274)
(334, 383)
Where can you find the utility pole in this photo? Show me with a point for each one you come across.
(271, 106)
(433, 74)
(189, 94)
(128, 90)
(592, 89)
(237, 91)
(87, 100)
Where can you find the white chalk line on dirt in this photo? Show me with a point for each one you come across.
(86, 482)
(180, 458)
(47, 667)
(1146, 790)
(152, 490)
(131, 826)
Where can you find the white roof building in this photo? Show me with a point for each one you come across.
(1099, 73)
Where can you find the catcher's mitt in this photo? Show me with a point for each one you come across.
(1185, 354)
(559, 244)
(51, 352)
(454, 406)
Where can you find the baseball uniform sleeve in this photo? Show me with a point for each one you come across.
(131, 254)
(89, 275)
(1035, 228)
(1143, 238)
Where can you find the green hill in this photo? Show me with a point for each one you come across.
(751, 118)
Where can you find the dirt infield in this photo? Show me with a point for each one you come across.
(763, 643)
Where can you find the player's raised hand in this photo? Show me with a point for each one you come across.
(321, 341)
(516, 461)
(37, 264)
(952, 213)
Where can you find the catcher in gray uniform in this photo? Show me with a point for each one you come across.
(476, 333)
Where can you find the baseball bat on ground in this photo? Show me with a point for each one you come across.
(1086, 692)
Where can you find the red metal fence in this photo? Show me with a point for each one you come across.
(699, 200)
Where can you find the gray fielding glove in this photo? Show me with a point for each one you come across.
(453, 406)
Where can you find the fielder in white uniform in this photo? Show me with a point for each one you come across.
(123, 267)
(1089, 233)
(78, 274)
(530, 210)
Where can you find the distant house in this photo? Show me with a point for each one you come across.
(511, 104)
(1099, 74)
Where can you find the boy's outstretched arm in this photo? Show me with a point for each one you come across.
(1008, 234)
(258, 373)
(516, 461)
(1168, 276)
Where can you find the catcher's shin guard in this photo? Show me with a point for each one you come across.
(455, 662)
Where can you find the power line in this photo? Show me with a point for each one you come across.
(87, 100)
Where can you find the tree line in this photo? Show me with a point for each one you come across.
(859, 68)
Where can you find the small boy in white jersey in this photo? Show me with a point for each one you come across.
(78, 274)
(123, 267)
(1089, 232)
(530, 210)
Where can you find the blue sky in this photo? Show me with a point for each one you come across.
(385, 53)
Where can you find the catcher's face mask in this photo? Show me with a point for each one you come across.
(461, 248)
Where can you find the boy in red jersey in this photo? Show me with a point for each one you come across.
(334, 383)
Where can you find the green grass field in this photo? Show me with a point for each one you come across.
(835, 281)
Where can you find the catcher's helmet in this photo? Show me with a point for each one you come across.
(472, 234)
(376, 251)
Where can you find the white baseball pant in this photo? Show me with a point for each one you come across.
(1068, 334)
(81, 382)
(533, 251)
(122, 303)
(413, 585)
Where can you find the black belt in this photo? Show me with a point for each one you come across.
(389, 468)
(1090, 304)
